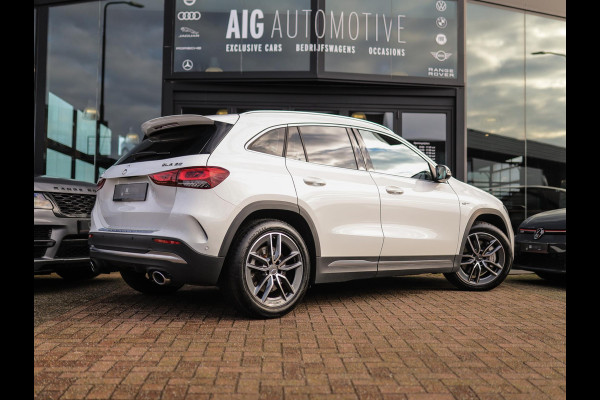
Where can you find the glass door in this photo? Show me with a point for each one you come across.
(430, 132)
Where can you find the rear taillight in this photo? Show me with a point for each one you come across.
(100, 183)
(193, 177)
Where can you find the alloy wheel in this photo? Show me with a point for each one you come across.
(273, 269)
(482, 260)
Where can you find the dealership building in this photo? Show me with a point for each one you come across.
(477, 85)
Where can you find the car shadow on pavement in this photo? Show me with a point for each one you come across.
(535, 281)
(52, 283)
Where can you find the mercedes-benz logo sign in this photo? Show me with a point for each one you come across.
(539, 232)
(189, 2)
(189, 15)
(187, 64)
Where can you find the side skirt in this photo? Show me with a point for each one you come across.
(335, 269)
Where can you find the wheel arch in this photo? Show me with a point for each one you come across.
(279, 210)
(491, 216)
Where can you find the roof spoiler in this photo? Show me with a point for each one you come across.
(172, 121)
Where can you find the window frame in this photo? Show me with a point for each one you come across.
(264, 132)
(347, 128)
(405, 142)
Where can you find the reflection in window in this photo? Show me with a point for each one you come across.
(328, 146)
(390, 156)
(516, 107)
(270, 142)
(294, 150)
(132, 82)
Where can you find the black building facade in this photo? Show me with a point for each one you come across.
(478, 85)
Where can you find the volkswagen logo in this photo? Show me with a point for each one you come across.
(539, 232)
(189, 15)
(440, 5)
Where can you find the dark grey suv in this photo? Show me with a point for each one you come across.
(61, 210)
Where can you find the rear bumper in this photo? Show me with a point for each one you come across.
(141, 253)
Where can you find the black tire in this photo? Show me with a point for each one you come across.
(140, 282)
(81, 273)
(265, 288)
(485, 259)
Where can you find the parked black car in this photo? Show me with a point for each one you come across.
(541, 244)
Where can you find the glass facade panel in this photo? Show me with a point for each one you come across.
(79, 112)
(516, 106)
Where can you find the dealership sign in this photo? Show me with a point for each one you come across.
(410, 38)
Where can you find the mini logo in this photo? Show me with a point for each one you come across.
(441, 55)
(187, 64)
(440, 5)
(539, 232)
(189, 2)
(440, 22)
(189, 15)
(124, 171)
(441, 39)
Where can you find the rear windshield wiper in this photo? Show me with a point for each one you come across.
(143, 154)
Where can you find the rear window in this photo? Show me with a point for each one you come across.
(177, 142)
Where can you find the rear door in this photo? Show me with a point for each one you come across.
(339, 196)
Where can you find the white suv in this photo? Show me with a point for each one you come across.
(265, 203)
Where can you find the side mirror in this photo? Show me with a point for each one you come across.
(442, 173)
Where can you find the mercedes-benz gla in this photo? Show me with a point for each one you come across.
(265, 203)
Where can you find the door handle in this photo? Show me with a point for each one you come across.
(394, 190)
(311, 181)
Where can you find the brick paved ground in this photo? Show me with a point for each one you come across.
(404, 338)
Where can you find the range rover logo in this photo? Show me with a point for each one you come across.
(539, 232)
(124, 171)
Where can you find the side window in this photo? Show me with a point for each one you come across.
(390, 156)
(294, 151)
(270, 142)
(328, 145)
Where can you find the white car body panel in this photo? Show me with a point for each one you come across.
(344, 207)
(353, 213)
(422, 220)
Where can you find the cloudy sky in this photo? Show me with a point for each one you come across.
(510, 91)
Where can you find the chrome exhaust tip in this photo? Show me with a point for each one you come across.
(159, 278)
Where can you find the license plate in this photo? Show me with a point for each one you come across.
(130, 192)
(83, 226)
(534, 247)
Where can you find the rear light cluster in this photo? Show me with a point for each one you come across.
(193, 177)
(100, 183)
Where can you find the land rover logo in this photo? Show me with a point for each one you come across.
(124, 171)
(539, 232)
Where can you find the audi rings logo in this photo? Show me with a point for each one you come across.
(189, 15)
